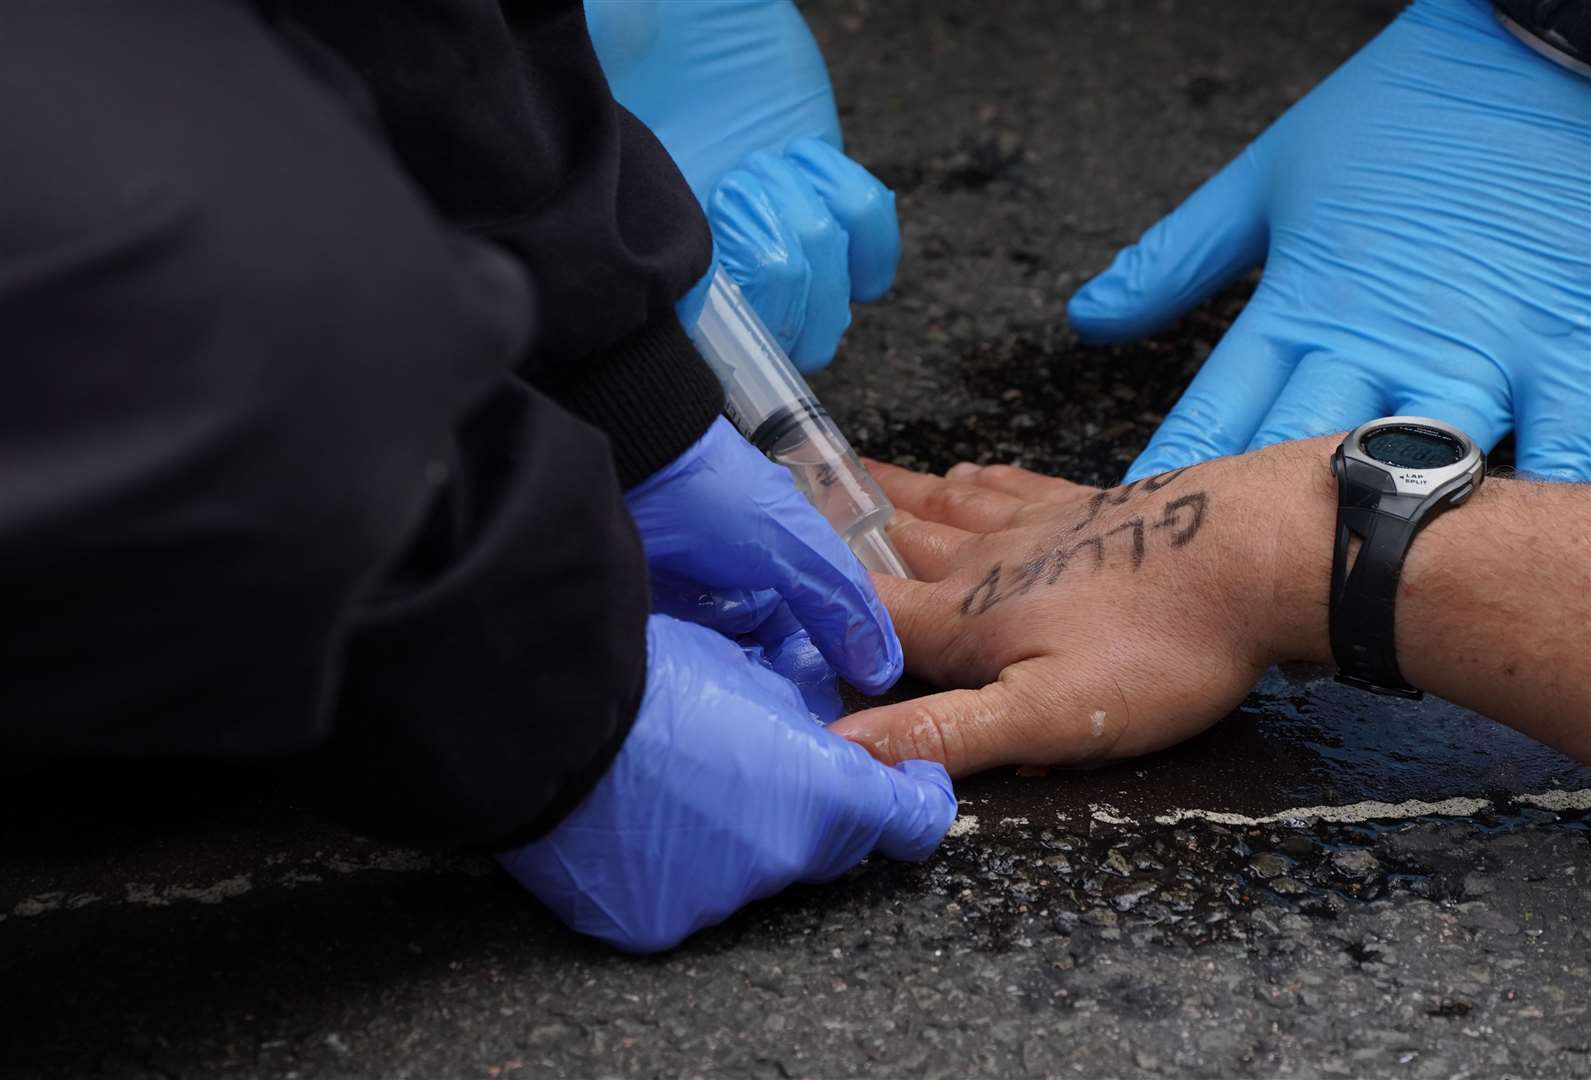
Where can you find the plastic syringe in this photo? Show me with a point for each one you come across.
(777, 412)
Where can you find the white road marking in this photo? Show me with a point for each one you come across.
(1106, 814)
(397, 860)
(1353, 812)
(1558, 800)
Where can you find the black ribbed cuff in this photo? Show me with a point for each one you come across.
(652, 394)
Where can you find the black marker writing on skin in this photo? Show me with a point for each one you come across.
(1060, 557)
(1169, 520)
(1120, 496)
(1100, 500)
(1155, 483)
(1180, 521)
(1137, 527)
(990, 586)
(1027, 575)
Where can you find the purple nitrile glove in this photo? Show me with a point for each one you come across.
(724, 792)
(722, 524)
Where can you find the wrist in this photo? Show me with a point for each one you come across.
(1294, 499)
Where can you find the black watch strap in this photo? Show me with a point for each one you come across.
(1364, 600)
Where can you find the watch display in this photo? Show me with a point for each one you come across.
(1413, 447)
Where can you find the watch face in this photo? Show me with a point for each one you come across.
(1413, 447)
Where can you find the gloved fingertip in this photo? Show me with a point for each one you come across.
(863, 206)
(930, 772)
(820, 336)
(874, 246)
(1144, 468)
(809, 364)
(925, 808)
(887, 666)
(1096, 312)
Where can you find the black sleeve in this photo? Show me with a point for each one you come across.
(503, 115)
(271, 482)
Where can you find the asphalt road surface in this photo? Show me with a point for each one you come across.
(1326, 884)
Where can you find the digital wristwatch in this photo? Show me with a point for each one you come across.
(1393, 477)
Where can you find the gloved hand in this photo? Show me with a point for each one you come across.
(729, 540)
(767, 632)
(724, 792)
(1424, 217)
(737, 92)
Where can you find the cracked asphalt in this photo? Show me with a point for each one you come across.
(1325, 884)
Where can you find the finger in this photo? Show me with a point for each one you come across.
(863, 206)
(785, 648)
(963, 730)
(930, 549)
(1198, 249)
(923, 809)
(926, 617)
(1478, 405)
(935, 498)
(726, 517)
(1327, 393)
(1020, 483)
(831, 594)
(761, 252)
(1226, 401)
(1554, 440)
(899, 811)
(729, 611)
(823, 246)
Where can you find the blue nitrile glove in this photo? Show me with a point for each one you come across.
(722, 523)
(723, 792)
(1424, 217)
(767, 631)
(738, 93)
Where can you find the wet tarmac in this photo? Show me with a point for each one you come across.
(1324, 884)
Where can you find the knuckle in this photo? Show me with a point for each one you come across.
(933, 736)
(957, 500)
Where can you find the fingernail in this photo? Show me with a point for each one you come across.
(965, 470)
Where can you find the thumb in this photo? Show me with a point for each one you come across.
(1208, 242)
(898, 811)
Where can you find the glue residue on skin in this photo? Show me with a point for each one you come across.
(1096, 723)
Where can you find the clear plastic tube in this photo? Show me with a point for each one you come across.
(775, 409)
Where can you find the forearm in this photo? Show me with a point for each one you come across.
(1494, 602)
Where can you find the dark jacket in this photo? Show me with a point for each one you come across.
(293, 459)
